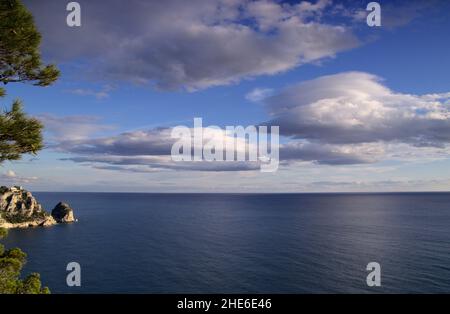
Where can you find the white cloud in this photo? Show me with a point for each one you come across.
(75, 127)
(192, 45)
(146, 151)
(342, 119)
(10, 174)
(258, 94)
(98, 94)
(11, 178)
(355, 108)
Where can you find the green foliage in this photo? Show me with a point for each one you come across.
(11, 263)
(3, 233)
(19, 134)
(20, 60)
(3, 189)
(32, 285)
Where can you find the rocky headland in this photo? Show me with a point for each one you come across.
(19, 209)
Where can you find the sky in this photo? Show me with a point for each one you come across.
(360, 109)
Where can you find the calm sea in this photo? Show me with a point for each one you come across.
(244, 243)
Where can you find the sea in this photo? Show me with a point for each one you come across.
(243, 243)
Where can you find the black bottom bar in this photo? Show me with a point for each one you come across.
(216, 303)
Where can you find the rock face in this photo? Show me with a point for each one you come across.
(62, 213)
(19, 209)
(17, 201)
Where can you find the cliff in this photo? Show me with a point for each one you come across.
(62, 213)
(19, 209)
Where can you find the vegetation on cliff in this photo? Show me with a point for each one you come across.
(11, 263)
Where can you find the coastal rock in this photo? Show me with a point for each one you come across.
(19, 209)
(15, 201)
(49, 221)
(62, 213)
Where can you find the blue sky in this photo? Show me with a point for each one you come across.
(368, 107)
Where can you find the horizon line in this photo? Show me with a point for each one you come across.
(253, 193)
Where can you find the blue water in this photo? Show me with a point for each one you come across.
(243, 243)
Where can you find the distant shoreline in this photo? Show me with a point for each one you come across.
(257, 193)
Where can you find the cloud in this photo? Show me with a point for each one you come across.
(258, 94)
(330, 154)
(147, 164)
(147, 151)
(151, 143)
(71, 127)
(150, 150)
(191, 45)
(100, 94)
(10, 174)
(341, 119)
(11, 178)
(356, 108)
